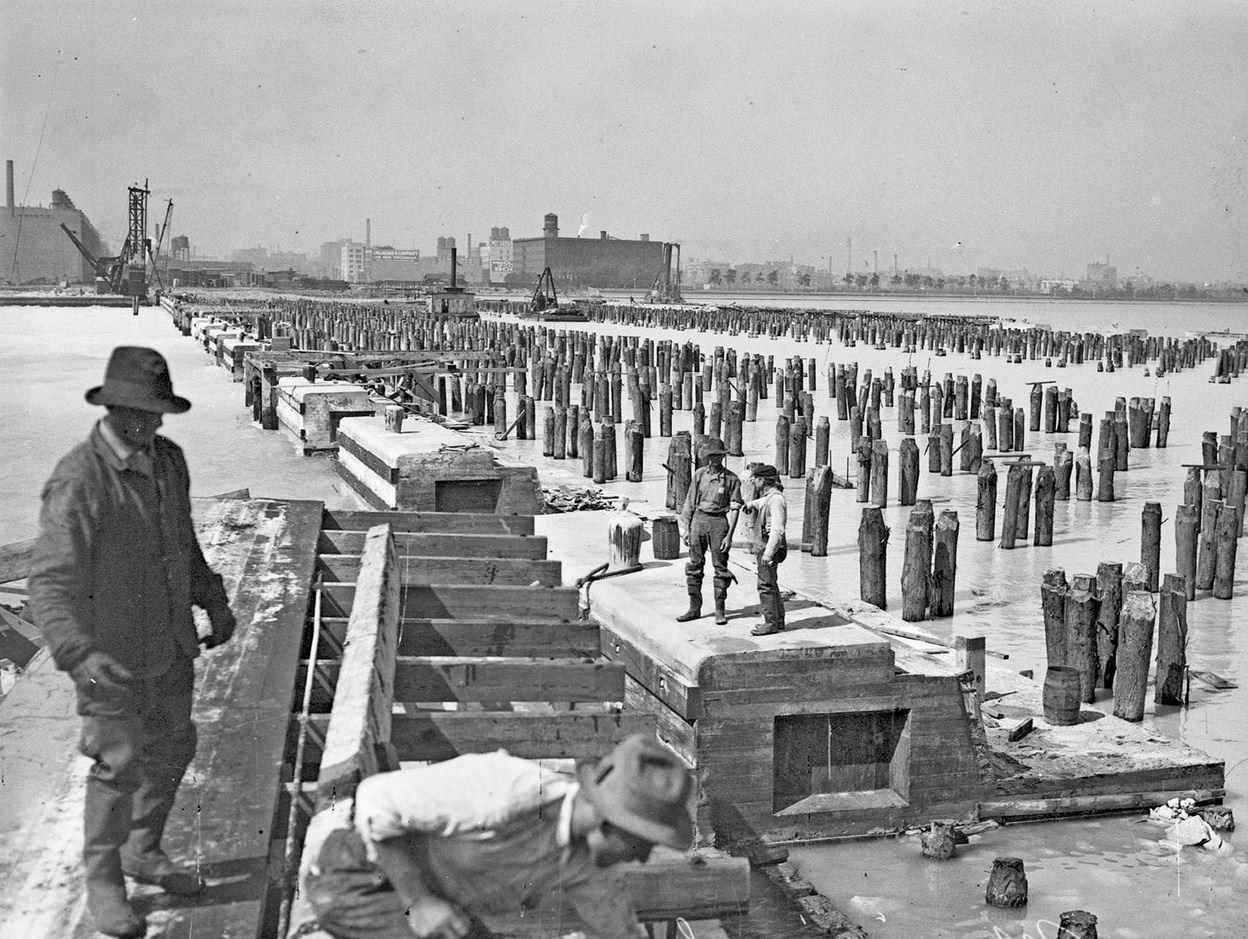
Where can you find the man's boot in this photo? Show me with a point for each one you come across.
(695, 608)
(106, 818)
(721, 599)
(142, 857)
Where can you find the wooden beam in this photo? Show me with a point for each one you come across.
(442, 735)
(539, 638)
(1005, 810)
(344, 568)
(466, 523)
(361, 718)
(487, 678)
(442, 545)
(669, 885)
(470, 602)
(15, 560)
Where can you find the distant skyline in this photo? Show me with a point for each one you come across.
(987, 135)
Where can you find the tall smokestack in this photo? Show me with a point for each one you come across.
(8, 184)
(454, 259)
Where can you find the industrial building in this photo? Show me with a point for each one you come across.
(34, 249)
(587, 262)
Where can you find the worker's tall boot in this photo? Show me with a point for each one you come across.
(142, 857)
(106, 821)
(695, 607)
(721, 600)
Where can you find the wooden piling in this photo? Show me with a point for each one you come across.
(1083, 475)
(1171, 641)
(1109, 609)
(863, 480)
(1150, 543)
(1135, 649)
(1226, 539)
(1186, 530)
(1046, 484)
(908, 471)
(819, 493)
(944, 563)
(1081, 616)
(873, 557)
(985, 500)
(1053, 591)
(917, 563)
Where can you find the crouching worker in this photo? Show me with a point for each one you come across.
(436, 847)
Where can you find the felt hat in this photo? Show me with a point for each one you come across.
(137, 377)
(766, 471)
(643, 788)
(714, 445)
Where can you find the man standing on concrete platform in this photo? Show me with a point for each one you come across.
(435, 847)
(771, 515)
(116, 569)
(710, 513)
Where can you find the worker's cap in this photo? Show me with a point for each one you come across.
(643, 788)
(714, 445)
(137, 377)
(766, 471)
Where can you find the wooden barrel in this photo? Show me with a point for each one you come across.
(666, 538)
(1061, 695)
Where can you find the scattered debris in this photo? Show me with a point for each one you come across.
(578, 499)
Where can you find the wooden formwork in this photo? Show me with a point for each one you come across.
(431, 657)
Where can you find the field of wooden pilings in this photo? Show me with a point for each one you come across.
(595, 396)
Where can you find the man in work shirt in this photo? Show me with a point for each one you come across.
(435, 847)
(116, 568)
(710, 518)
(770, 515)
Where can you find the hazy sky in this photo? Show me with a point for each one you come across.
(1005, 134)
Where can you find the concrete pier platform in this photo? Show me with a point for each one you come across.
(835, 728)
(429, 467)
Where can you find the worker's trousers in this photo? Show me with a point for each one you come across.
(141, 749)
(769, 599)
(707, 533)
(352, 896)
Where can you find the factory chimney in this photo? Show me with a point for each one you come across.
(454, 259)
(8, 184)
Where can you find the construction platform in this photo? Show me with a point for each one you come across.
(837, 728)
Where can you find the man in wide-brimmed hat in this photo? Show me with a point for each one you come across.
(709, 517)
(116, 570)
(435, 848)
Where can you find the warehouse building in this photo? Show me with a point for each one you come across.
(587, 262)
(34, 249)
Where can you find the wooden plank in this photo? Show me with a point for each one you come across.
(1018, 809)
(228, 802)
(673, 690)
(442, 735)
(450, 570)
(470, 602)
(15, 560)
(362, 713)
(534, 639)
(482, 678)
(442, 544)
(671, 728)
(466, 523)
